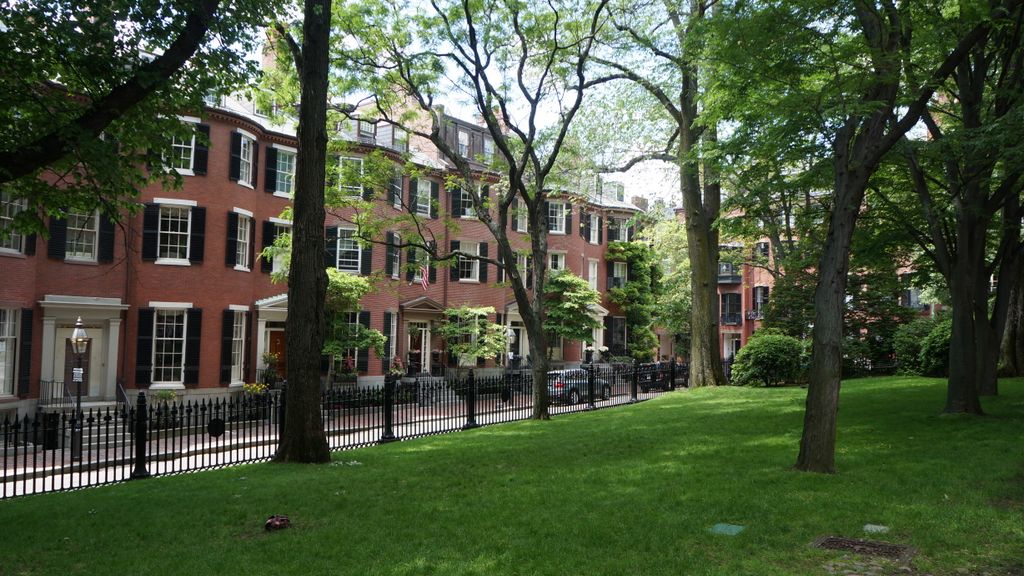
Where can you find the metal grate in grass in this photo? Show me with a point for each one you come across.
(896, 552)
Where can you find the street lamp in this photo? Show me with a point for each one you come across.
(79, 345)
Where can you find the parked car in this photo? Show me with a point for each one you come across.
(572, 386)
(653, 376)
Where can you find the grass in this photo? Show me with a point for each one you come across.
(626, 491)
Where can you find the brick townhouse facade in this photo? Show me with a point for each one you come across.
(176, 296)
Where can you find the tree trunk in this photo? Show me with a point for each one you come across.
(1011, 349)
(303, 438)
(962, 389)
(818, 442)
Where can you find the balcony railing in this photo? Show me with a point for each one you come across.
(755, 315)
(729, 278)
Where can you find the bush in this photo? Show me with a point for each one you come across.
(934, 357)
(768, 359)
(907, 343)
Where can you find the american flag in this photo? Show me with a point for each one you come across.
(424, 276)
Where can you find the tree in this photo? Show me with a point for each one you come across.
(522, 69)
(862, 111)
(344, 333)
(469, 335)
(672, 310)
(639, 297)
(303, 438)
(91, 88)
(669, 35)
(569, 306)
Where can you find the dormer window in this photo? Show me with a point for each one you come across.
(464, 143)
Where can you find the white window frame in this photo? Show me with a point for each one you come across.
(620, 270)
(349, 239)
(277, 265)
(177, 145)
(463, 146)
(347, 190)
(595, 229)
(556, 257)
(423, 197)
(8, 350)
(421, 257)
(284, 186)
(396, 268)
(245, 154)
(391, 331)
(468, 208)
(556, 349)
(15, 242)
(176, 312)
(166, 206)
(522, 223)
(521, 264)
(592, 272)
(469, 266)
(397, 202)
(82, 230)
(556, 225)
(242, 246)
(238, 346)
(488, 150)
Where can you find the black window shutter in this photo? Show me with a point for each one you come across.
(193, 341)
(227, 332)
(513, 214)
(231, 248)
(584, 224)
(546, 217)
(432, 276)
(411, 263)
(454, 270)
(249, 367)
(568, 218)
(385, 362)
(269, 231)
(144, 348)
(413, 189)
(251, 241)
(270, 171)
(367, 193)
(197, 236)
(235, 165)
(456, 208)
(333, 170)
(24, 351)
(366, 261)
(331, 249)
(600, 230)
(57, 246)
(500, 270)
(529, 271)
(202, 151)
(389, 254)
(435, 197)
(150, 231)
(608, 332)
(106, 240)
(610, 272)
(30, 245)
(483, 265)
(254, 167)
(392, 192)
(363, 360)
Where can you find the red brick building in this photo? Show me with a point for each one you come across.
(177, 297)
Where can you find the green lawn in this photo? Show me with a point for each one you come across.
(625, 491)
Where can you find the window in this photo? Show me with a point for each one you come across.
(761, 249)
(463, 143)
(731, 310)
(367, 130)
(10, 240)
(521, 220)
(245, 165)
(488, 150)
(169, 346)
(423, 194)
(182, 154)
(555, 348)
(556, 217)
(395, 185)
(174, 233)
(279, 264)
(592, 273)
(8, 350)
(351, 176)
(238, 348)
(615, 230)
(396, 256)
(595, 229)
(468, 209)
(469, 268)
(620, 272)
(285, 172)
(81, 235)
(760, 298)
(242, 242)
(556, 261)
(419, 257)
(348, 251)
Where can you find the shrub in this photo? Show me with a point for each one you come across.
(907, 344)
(934, 357)
(768, 359)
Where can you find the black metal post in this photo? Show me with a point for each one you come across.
(591, 384)
(76, 422)
(471, 402)
(635, 381)
(282, 406)
(389, 410)
(672, 375)
(141, 412)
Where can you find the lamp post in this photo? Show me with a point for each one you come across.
(79, 345)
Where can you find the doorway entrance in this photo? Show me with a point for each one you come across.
(418, 348)
(276, 346)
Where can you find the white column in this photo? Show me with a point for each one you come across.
(261, 342)
(49, 335)
(113, 347)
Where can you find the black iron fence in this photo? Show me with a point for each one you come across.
(60, 450)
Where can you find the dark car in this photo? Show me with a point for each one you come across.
(572, 386)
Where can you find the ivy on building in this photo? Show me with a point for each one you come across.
(639, 297)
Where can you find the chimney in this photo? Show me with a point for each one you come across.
(640, 202)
